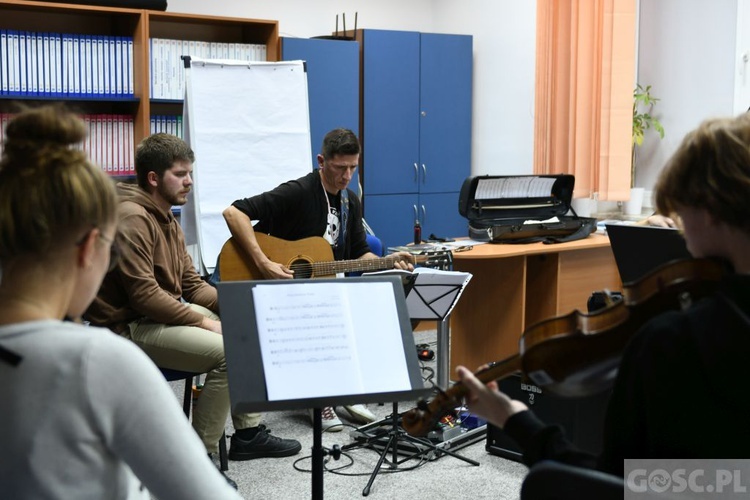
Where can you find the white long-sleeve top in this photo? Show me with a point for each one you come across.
(87, 415)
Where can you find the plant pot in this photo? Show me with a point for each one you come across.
(634, 206)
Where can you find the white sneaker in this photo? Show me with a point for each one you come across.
(360, 414)
(331, 422)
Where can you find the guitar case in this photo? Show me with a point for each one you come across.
(522, 209)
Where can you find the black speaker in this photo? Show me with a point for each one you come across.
(582, 418)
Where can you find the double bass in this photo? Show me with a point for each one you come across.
(578, 354)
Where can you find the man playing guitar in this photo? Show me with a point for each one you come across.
(318, 204)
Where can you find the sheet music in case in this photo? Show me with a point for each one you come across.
(522, 209)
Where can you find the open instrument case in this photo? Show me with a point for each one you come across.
(522, 209)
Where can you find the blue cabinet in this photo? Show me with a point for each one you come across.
(332, 84)
(394, 216)
(416, 131)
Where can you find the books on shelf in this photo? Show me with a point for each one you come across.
(42, 64)
(168, 69)
(109, 142)
(168, 124)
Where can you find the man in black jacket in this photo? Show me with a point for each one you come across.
(318, 204)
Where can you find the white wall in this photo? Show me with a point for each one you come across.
(742, 59)
(304, 19)
(504, 48)
(687, 54)
(504, 66)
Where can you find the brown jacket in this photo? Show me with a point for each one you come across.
(155, 272)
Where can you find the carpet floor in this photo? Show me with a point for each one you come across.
(436, 477)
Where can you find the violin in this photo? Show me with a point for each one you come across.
(578, 354)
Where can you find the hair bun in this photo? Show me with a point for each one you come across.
(36, 133)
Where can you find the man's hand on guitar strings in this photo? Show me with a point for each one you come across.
(274, 270)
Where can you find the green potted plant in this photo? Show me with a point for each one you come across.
(643, 119)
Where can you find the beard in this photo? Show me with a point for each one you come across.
(175, 199)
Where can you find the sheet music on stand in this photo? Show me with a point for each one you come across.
(275, 330)
(430, 293)
(310, 328)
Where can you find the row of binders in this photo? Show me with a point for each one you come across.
(65, 65)
(109, 142)
(167, 124)
(168, 68)
(98, 66)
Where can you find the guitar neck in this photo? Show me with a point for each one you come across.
(348, 266)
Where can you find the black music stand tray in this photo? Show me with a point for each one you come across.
(257, 325)
(430, 295)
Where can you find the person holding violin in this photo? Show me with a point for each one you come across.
(681, 389)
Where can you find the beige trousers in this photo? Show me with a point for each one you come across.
(194, 349)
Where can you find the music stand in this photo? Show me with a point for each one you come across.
(282, 338)
(430, 295)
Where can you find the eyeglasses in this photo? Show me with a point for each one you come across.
(114, 249)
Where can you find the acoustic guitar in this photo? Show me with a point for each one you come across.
(308, 258)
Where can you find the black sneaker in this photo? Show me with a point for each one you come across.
(261, 446)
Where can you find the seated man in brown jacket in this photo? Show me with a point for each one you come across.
(156, 298)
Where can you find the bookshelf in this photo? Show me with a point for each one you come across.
(140, 26)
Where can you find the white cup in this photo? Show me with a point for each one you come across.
(634, 206)
(584, 207)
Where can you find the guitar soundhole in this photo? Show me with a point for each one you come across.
(302, 269)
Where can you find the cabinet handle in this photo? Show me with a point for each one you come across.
(416, 177)
(424, 215)
(424, 171)
(416, 214)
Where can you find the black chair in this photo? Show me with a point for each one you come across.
(187, 403)
(550, 480)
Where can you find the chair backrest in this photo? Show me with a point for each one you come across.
(551, 480)
(376, 246)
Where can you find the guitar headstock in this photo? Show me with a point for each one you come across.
(436, 259)
(427, 255)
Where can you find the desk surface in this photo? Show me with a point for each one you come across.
(516, 285)
(500, 250)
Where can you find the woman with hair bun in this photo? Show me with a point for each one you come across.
(85, 413)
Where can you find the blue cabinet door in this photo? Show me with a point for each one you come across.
(445, 112)
(391, 217)
(332, 84)
(390, 105)
(417, 132)
(439, 216)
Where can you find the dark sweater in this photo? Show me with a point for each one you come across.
(680, 391)
(298, 209)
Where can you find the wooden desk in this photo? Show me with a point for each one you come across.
(516, 286)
